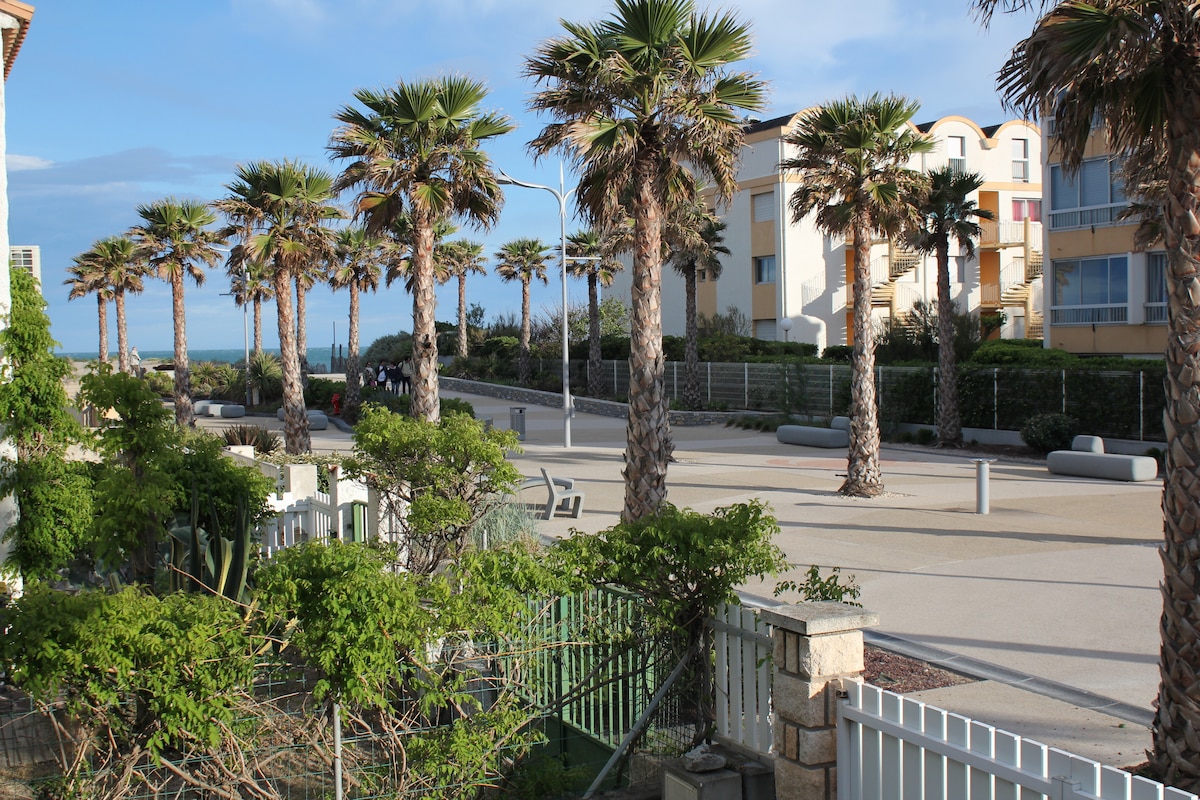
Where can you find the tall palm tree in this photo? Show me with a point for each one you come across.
(258, 288)
(87, 279)
(947, 212)
(118, 259)
(358, 259)
(282, 210)
(1132, 65)
(306, 278)
(460, 259)
(523, 260)
(851, 158)
(600, 269)
(700, 247)
(635, 97)
(416, 150)
(178, 240)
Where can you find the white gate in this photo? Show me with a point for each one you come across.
(299, 521)
(743, 677)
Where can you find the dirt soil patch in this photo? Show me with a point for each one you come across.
(902, 675)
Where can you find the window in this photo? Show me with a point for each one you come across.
(957, 150)
(1094, 196)
(1020, 164)
(1090, 290)
(1026, 209)
(1156, 287)
(763, 207)
(960, 268)
(764, 269)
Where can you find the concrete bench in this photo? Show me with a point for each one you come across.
(232, 410)
(317, 421)
(836, 435)
(200, 407)
(1087, 459)
(214, 408)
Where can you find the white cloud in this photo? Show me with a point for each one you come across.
(17, 163)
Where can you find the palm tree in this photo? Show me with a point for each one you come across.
(118, 259)
(851, 158)
(635, 97)
(256, 287)
(357, 261)
(946, 212)
(523, 260)
(1131, 64)
(177, 239)
(600, 268)
(416, 151)
(460, 259)
(700, 247)
(87, 279)
(282, 210)
(306, 277)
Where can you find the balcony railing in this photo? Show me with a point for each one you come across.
(1086, 315)
(994, 233)
(1156, 313)
(1086, 217)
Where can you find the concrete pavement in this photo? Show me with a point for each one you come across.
(1052, 596)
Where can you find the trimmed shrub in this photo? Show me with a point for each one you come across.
(1046, 432)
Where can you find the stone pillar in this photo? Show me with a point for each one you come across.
(816, 645)
(300, 480)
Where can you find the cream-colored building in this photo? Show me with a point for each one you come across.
(27, 257)
(779, 269)
(1102, 297)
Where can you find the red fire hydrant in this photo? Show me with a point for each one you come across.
(337, 404)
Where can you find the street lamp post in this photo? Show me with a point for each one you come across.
(561, 196)
(786, 325)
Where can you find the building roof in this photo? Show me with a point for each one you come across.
(766, 125)
(13, 37)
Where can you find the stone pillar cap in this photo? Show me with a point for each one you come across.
(810, 619)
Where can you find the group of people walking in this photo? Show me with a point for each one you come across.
(396, 378)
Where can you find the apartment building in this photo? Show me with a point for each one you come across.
(1104, 298)
(779, 269)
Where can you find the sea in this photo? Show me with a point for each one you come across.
(316, 355)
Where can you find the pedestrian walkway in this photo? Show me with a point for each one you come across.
(1055, 591)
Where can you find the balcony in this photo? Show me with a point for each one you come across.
(1156, 313)
(995, 235)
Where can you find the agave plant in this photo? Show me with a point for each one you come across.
(263, 439)
(203, 560)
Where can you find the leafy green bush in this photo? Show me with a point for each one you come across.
(841, 353)
(394, 347)
(402, 403)
(505, 347)
(1024, 352)
(1046, 432)
(159, 382)
(320, 391)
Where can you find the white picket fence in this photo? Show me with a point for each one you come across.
(896, 748)
(743, 677)
(890, 746)
(299, 521)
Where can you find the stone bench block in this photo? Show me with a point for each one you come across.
(812, 437)
(214, 409)
(1088, 444)
(200, 407)
(317, 421)
(840, 424)
(232, 410)
(1110, 466)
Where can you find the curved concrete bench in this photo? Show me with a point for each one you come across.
(1111, 466)
(317, 421)
(200, 407)
(812, 437)
(214, 409)
(232, 410)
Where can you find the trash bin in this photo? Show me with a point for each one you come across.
(516, 421)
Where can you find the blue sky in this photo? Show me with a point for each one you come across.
(111, 105)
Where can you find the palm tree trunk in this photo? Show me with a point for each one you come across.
(462, 314)
(691, 358)
(295, 416)
(122, 339)
(648, 435)
(183, 378)
(596, 381)
(425, 402)
(353, 373)
(863, 477)
(257, 325)
(948, 423)
(102, 305)
(301, 325)
(523, 369)
(1175, 727)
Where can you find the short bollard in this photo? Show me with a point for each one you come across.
(983, 471)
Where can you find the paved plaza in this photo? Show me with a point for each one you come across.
(1052, 596)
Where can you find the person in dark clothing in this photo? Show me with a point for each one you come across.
(406, 371)
(393, 376)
